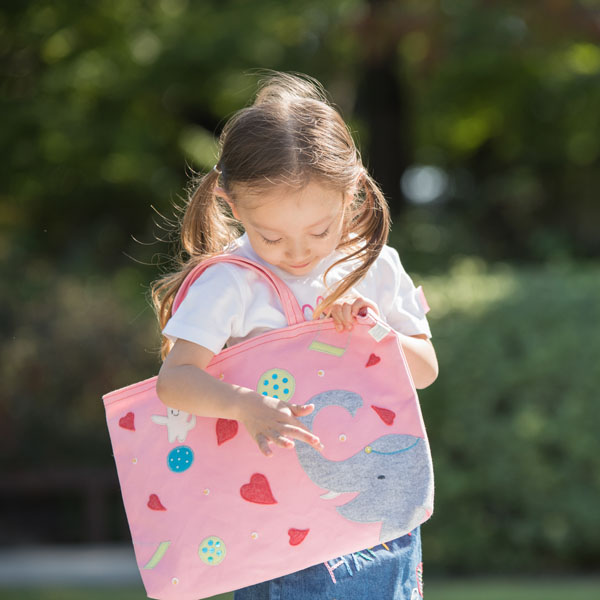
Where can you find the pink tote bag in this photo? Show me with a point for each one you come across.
(209, 513)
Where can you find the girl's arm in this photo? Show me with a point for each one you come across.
(421, 359)
(184, 384)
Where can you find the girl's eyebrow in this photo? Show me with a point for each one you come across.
(256, 226)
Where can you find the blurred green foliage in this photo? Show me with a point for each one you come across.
(513, 419)
(104, 103)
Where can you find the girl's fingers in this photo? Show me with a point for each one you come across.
(335, 315)
(280, 439)
(301, 410)
(360, 305)
(338, 316)
(347, 315)
(304, 435)
(299, 431)
(263, 444)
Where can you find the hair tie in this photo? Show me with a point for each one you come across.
(217, 170)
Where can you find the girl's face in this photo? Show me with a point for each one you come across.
(290, 228)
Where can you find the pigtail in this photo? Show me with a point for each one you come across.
(369, 221)
(206, 230)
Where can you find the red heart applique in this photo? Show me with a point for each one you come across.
(154, 503)
(226, 429)
(126, 422)
(386, 415)
(297, 536)
(373, 360)
(258, 490)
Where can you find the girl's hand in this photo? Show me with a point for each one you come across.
(345, 309)
(269, 420)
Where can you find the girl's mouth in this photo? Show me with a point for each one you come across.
(300, 266)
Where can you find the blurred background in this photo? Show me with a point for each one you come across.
(481, 121)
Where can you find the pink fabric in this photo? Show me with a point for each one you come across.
(423, 300)
(272, 516)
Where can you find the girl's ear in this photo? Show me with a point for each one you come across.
(221, 193)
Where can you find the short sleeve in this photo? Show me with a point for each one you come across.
(402, 304)
(210, 311)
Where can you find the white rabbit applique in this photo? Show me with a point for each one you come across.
(178, 423)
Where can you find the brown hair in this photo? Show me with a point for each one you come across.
(290, 135)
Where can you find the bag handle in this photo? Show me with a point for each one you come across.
(290, 305)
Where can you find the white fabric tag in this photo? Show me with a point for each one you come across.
(379, 331)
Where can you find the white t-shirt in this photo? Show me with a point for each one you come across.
(229, 304)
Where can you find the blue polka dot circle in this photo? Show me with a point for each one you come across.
(180, 459)
(277, 383)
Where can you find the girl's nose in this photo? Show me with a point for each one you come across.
(297, 251)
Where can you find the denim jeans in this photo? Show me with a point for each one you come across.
(391, 571)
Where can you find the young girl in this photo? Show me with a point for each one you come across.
(289, 174)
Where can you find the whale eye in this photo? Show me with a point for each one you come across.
(381, 477)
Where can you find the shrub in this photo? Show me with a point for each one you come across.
(68, 340)
(513, 419)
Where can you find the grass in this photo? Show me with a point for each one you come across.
(81, 593)
(583, 588)
(587, 588)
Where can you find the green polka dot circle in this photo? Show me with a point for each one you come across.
(277, 383)
(212, 550)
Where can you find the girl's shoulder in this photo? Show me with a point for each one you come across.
(387, 265)
(387, 261)
(235, 285)
(389, 258)
(227, 273)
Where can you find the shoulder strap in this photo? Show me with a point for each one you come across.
(290, 305)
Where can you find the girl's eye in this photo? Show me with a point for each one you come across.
(266, 241)
(318, 235)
